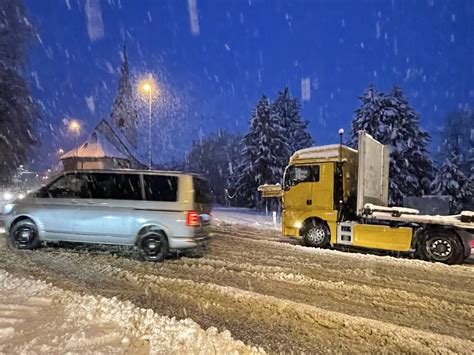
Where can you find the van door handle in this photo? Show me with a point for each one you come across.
(309, 202)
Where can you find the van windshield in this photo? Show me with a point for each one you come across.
(202, 192)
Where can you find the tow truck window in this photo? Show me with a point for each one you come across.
(301, 173)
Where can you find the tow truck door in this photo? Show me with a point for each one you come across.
(298, 188)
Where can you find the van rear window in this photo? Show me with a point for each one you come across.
(202, 193)
(161, 188)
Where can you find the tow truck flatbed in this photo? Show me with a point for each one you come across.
(408, 215)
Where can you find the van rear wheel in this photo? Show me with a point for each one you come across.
(153, 246)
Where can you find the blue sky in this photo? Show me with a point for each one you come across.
(213, 78)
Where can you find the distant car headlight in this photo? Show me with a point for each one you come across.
(20, 196)
(8, 208)
(7, 196)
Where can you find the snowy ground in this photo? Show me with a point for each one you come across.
(36, 317)
(268, 291)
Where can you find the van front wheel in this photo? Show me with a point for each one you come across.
(153, 246)
(24, 235)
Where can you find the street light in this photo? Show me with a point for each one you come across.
(147, 87)
(75, 127)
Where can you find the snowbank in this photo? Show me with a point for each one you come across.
(245, 216)
(36, 317)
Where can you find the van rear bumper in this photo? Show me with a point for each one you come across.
(189, 243)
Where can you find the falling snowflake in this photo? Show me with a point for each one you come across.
(305, 89)
(95, 25)
(193, 17)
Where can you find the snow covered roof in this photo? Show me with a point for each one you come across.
(324, 152)
(96, 146)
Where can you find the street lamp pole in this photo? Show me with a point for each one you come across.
(77, 153)
(148, 87)
(75, 128)
(149, 130)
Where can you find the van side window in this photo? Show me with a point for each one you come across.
(301, 173)
(112, 186)
(67, 186)
(161, 188)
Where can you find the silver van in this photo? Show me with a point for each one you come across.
(156, 211)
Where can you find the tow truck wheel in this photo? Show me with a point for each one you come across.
(442, 246)
(316, 234)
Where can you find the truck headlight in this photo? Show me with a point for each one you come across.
(8, 208)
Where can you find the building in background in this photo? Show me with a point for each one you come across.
(113, 142)
(105, 148)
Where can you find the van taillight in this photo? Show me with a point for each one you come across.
(192, 219)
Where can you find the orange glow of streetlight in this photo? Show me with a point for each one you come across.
(74, 126)
(147, 87)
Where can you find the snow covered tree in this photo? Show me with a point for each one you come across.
(17, 108)
(455, 176)
(124, 112)
(368, 117)
(457, 135)
(451, 181)
(216, 157)
(286, 112)
(391, 120)
(262, 155)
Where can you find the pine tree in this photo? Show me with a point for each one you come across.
(391, 120)
(368, 117)
(456, 134)
(216, 158)
(17, 108)
(451, 181)
(124, 113)
(412, 165)
(262, 154)
(286, 112)
(455, 177)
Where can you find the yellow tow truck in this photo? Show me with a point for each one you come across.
(334, 195)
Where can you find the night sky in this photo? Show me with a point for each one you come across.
(212, 73)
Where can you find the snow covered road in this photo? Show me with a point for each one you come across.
(270, 293)
(36, 317)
